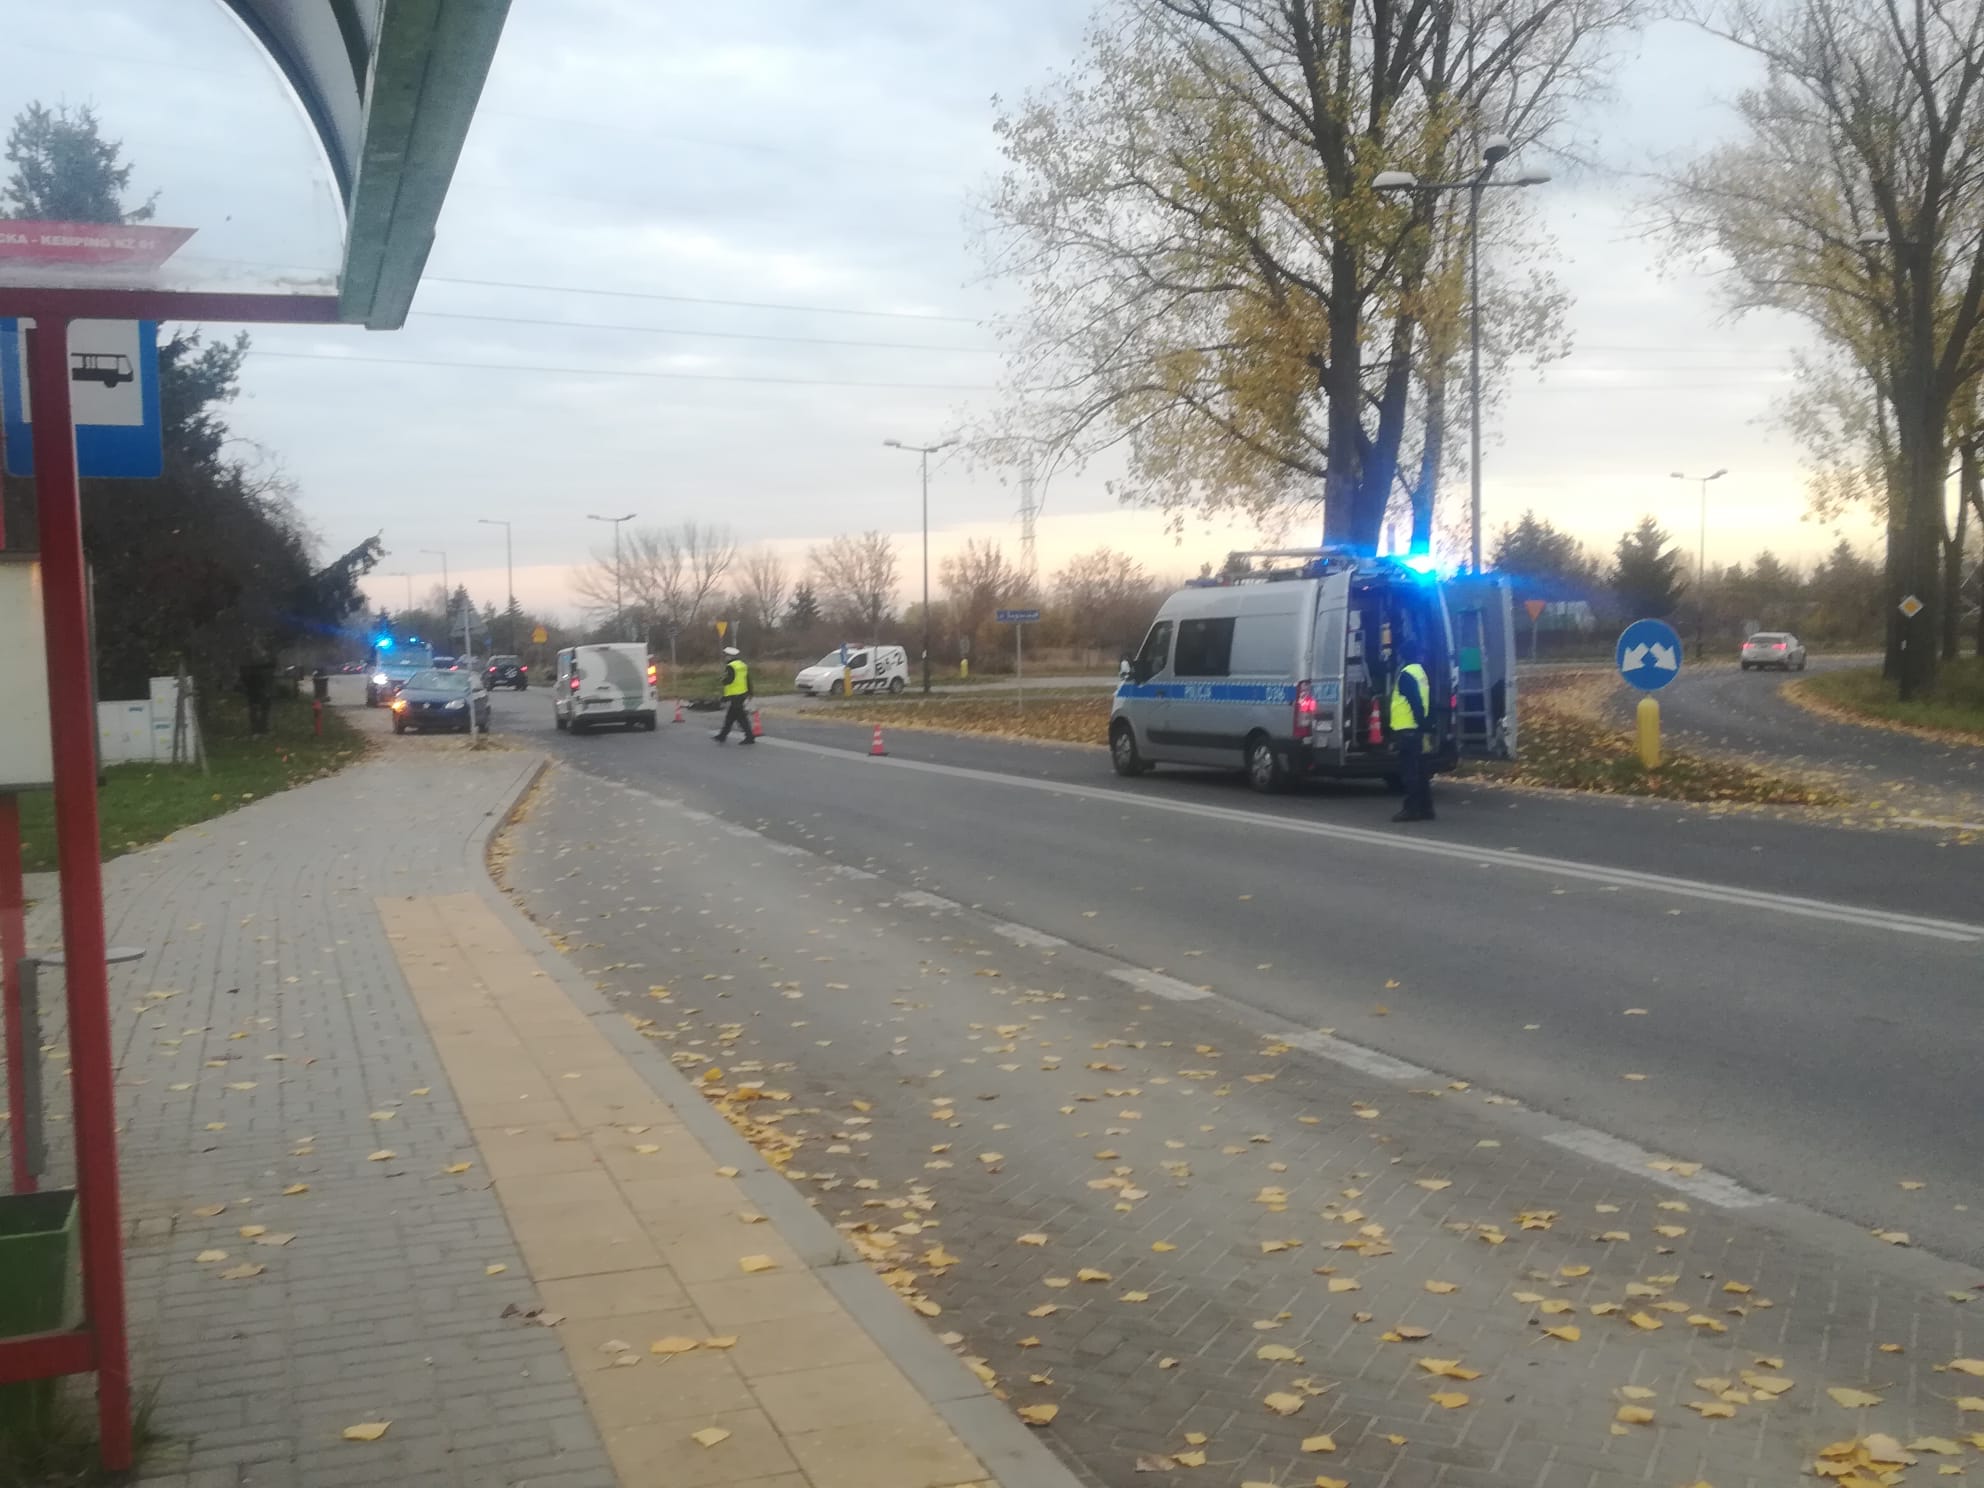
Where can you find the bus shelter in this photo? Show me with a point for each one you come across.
(382, 93)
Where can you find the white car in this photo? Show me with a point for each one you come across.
(1774, 648)
(867, 669)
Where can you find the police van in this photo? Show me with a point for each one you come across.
(1285, 668)
(613, 682)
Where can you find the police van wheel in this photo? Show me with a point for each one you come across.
(1123, 752)
(839, 689)
(1264, 768)
(895, 686)
(561, 722)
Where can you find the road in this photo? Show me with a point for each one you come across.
(1755, 994)
(1721, 707)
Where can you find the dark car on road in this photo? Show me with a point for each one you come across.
(506, 671)
(449, 701)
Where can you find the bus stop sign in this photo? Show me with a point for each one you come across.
(113, 385)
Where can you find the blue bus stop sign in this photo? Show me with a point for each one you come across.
(113, 391)
(1648, 654)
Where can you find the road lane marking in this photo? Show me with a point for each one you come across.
(1936, 821)
(1159, 985)
(1726, 896)
(1357, 1057)
(1026, 935)
(917, 899)
(1710, 1188)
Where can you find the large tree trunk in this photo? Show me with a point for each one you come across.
(1431, 453)
(1953, 552)
(1924, 460)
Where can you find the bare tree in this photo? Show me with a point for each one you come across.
(667, 575)
(1106, 599)
(766, 585)
(976, 582)
(856, 579)
(1855, 199)
(1214, 281)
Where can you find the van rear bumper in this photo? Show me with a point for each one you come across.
(1303, 759)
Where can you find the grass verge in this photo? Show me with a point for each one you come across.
(1954, 707)
(55, 1445)
(1563, 747)
(141, 803)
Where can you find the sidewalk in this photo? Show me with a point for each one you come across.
(1202, 1241)
(402, 1211)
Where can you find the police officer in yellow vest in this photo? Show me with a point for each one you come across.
(1412, 732)
(736, 693)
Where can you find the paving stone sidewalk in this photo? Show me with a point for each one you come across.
(1218, 1256)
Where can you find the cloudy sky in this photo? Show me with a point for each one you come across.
(700, 260)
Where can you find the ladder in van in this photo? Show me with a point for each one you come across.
(1475, 718)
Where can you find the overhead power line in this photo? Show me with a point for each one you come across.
(320, 356)
(607, 325)
(640, 294)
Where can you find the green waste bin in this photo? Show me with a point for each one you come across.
(40, 1286)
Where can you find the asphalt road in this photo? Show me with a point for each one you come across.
(1799, 1031)
(1724, 708)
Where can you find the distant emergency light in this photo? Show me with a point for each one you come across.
(384, 643)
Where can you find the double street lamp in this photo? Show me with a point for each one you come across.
(619, 608)
(1701, 552)
(926, 451)
(1494, 150)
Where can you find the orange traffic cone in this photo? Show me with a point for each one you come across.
(875, 747)
(1376, 734)
(678, 710)
(757, 723)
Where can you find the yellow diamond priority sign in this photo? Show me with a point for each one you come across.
(1911, 607)
(539, 636)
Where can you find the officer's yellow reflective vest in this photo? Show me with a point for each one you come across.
(738, 681)
(1402, 720)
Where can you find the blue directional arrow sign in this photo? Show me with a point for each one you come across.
(1649, 654)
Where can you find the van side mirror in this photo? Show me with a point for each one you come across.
(1124, 671)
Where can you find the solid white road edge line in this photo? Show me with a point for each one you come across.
(1725, 895)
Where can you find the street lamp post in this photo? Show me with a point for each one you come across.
(619, 606)
(1701, 553)
(509, 576)
(926, 451)
(1494, 150)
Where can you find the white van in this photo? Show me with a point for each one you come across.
(609, 683)
(1286, 672)
(869, 668)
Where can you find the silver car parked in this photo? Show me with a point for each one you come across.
(1774, 648)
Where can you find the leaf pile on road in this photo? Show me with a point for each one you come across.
(1565, 745)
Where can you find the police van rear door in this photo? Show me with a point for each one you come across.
(1481, 610)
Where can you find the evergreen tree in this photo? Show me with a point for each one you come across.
(804, 612)
(1546, 563)
(1647, 576)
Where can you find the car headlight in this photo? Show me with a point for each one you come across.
(379, 679)
(399, 705)
(458, 703)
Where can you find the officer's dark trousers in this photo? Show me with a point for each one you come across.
(1414, 771)
(736, 714)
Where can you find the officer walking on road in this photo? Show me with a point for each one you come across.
(1412, 725)
(736, 693)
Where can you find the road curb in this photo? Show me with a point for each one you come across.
(1009, 1451)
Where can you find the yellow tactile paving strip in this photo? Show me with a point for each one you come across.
(631, 1233)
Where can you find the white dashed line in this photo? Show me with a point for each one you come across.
(1026, 935)
(1710, 1188)
(917, 899)
(1357, 1057)
(1159, 985)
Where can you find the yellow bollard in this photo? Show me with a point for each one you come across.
(1649, 733)
(964, 667)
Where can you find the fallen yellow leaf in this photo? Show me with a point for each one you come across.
(1448, 1399)
(1282, 1403)
(1034, 1239)
(1970, 1402)
(242, 1272)
(1644, 1320)
(1196, 1438)
(1323, 1482)
(294, 1189)
(366, 1431)
(1039, 1415)
(208, 1257)
(1711, 1410)
(709, 1436)
(1968, 1366)
(1323, 1443)
(1441, 1288)
(1942, 1446)
(1634, 1415)
(384, 1154)
(1345, 1284)
(1277, 1353)
(674, 1345)
(1637, 1392)
(495, 1270)
(1568, 1333)
(1045, 1309)
(1574, 1271)
(1850, 1398)
(1448, 1369)
(751, 1265)
(1089, 1273)
(1189, 1459)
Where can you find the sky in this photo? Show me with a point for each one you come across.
(700, 261)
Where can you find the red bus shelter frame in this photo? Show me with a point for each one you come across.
(102, 1343)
